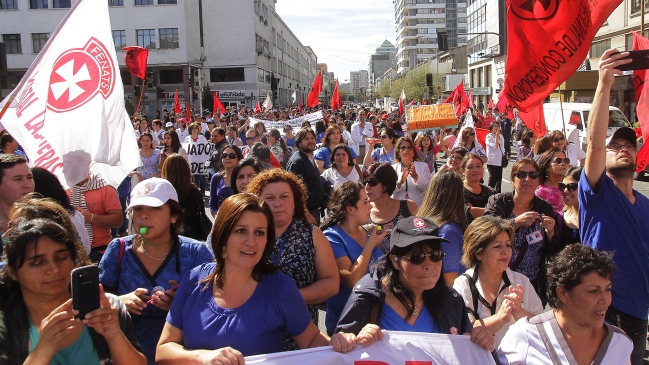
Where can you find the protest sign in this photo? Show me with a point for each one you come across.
(198, 153)
(295, 123)
(396, 348)
(427, 117)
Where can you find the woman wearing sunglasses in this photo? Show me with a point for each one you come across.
(221, 183)
(534, 223)
(386, 152)
(495, 296)
(470, 143)
(454, 161)
(414, 175)
(406, 293)
(576, 155)
(553, 165)
(568, 219)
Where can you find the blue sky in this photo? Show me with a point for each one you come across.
(343, 33)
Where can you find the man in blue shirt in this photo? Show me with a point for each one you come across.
(613, 215)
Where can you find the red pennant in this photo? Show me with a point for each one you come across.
(135, 60)
(412, 102)
(299, 108)
(535, 120)
(470, 99)
(188, 112)
(316, 89)
(547, 41)
(481, 135)
(336, 98)
(257, 107)
(177, 108)
(491, 104)
(217, 104)
(459, 98)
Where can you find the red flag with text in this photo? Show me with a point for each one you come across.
(336, 98)
(535, 120)
(135, 60)
(459, 98)
(177, 107)
(547, 41)
(316, 89)
(641, 87)
(217, 103)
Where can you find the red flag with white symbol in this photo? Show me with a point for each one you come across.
(135, 60)
(74, 88)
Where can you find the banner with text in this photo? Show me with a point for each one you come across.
(396, 348)
(198, 153)
(295, 123)
(427, 117)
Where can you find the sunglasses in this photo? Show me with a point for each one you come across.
(559, 160)
(524, 174)
(231, 156)
(372, 181)
(418, 258)
(385, 137)
(472, 134)
(404, 148)
(571, 186)
(558, 139)
(250, 138)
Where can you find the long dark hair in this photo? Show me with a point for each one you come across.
(252, 162)
(175, 142)
(345, 195)
(278, 137)
(49, 186)
(175, 169)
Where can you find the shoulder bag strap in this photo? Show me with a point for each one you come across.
(554, 357)
(474, 295)
(358, 171)
(519, 258)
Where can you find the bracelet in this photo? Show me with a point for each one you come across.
(92, 217)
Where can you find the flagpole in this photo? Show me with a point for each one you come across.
(563, 119)
(140, 100)
(642, 17)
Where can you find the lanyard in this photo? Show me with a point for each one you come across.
(492, 306)
(277, 258)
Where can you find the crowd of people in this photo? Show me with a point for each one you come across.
(353, 213)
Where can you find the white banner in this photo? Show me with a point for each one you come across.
(396, 348)
(68, 110)
(197, 154)
(295, 123)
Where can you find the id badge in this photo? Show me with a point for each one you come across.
(534, 237)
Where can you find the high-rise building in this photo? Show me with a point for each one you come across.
(381, 61)
(359, 80)
(244, 51)
(418, 23)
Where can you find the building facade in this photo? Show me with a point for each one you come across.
(359, 81)
(240, 49)
(421, 23)
(382, 60)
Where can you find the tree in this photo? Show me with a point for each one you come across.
(343, 94)
(384, 88)
(207, 99)
(128, 105)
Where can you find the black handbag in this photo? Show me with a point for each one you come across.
(205, 223)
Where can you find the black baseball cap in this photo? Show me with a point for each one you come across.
(624, 133)
(412, 230)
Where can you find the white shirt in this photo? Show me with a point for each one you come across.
(336, 178)
(200, 139)
(80, 225)
(495, 154)
(410, 189)
(531, 301)
(182, 134)
(359, 134)
(575, 154)
(523, 344)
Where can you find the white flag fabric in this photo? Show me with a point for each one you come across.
(403, 95)
(395, 348)
(68, 110)
(468, 123)
(295, 123)
(294, 96)
(268, 104)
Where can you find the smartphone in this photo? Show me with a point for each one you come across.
(639, 60)
(85, 290)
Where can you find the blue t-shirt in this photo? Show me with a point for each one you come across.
(324, 154)
(290, 142)
(81, 352)
(218, 192)
(344, 246)
(453, 249)
(609, 222)
(391, 321)
(256, 327)
(132, 274)
(379, 156)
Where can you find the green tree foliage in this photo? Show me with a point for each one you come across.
(130, 108)
(207, 99)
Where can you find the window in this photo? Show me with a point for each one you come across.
(170, 77)
(263, 76)
(60, 4)
(115, 2)
(143, 2)
(119, 38)
(636, 5)
(8, 4)
(168, 37)
(598, 48)
(228, 74)
(38, 4)
(145, 38)
(39, 40)
(163, 2)
(12, 43)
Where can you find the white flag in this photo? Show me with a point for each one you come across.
(268, 104)
(294, 96)
(68, 110)
(468, 123)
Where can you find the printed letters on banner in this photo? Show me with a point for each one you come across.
(198, 153)
(428, 117)
(295, 123)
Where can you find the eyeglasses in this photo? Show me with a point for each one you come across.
(522, 175)
(231, 156)
(250, 138)
(559, 160)
(571, 186)
(618, 147)
(418, 258)
(384, 137)
(558, 139)
(472, 134)
(372, 181)
(404, 148)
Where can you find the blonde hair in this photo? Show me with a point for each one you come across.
(479, 234)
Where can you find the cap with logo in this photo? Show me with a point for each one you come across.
(412, 230)
(624, 133)
(153, 192)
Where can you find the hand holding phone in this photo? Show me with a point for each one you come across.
(85, 289)
(639, 60)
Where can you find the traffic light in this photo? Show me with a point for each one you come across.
(138, 90)
(159, 91)
(429, 80)
(149, 75)
(194, 95)
(190, 80)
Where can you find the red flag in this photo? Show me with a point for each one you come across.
(459, 98)
(336, 99)
(642, 157)
(470, 99)
(257, 107)
(299, 108)
(535, 120)
(316, 89)
(491, 104)
(481, 135)
(188, 111)
(217, 103)
(402, 97)
(177, 108)
(135, 60)
(641, 86)
(411, 103)
(547, 41)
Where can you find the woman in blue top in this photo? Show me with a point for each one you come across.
(355, 247)
(221, 182)
(444, 205)
(143, 269)
(332, 138)
(241, 305)
(385, 153)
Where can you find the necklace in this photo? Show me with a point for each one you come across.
(146, 253)
(417, 311)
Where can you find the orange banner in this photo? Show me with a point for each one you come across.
(431, 117)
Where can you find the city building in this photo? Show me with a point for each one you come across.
(359, 81)
(419, 25)
(328, 84)
(382, 60)
(242, 51)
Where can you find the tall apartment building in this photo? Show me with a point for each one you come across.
(240, 49)
(382, 60)
(418, 23)
(359, 80)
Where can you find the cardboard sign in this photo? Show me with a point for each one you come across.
(428, 117)
(198, 153)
